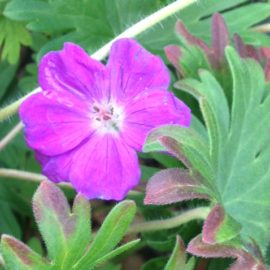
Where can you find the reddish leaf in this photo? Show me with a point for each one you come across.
(192, 40)
(244, 260)
(174, 148)
(212, 224)
(19, 256)
(244, 50)
(173, 54)
(220, 39)
(219, 227)
(172, 185)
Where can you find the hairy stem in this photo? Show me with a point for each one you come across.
(11, 135)
(23, 175)
(11, 109)
(145, 24)
(149, 226)
(100, 54)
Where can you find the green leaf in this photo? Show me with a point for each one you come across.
(66, 235)
(8, 222)
(178, 257)
(117, 251)
(20, 257)
(243, 178)
(7, 73)
(111, 232)
(12, 36)
(184, 142)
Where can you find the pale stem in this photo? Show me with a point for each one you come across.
(100, 54)
(198, 213)
(263, 28)
(11, 109)
(11, 135)
(36, 177)
(23, 175)
(144, 24)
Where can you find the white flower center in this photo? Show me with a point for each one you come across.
(107, 117)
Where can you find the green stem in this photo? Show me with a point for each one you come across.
(11, 135)
(149, 226)
(100, 54)
(36, 177)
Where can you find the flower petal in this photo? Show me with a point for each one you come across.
(149, 110)
(132, 69)
(105, 168)
(72, 70)
(56, 168)
(55, 122)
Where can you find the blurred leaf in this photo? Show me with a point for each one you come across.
(178, 258)
(7, 74)
(155, 264)
(12, 36)
(8, 222)
(35, 244)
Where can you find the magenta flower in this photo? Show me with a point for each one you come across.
(90, 119)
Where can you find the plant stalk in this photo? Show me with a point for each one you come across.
(155, 225)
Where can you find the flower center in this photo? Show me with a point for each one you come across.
(107, 117)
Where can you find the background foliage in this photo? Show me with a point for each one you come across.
(30, 28)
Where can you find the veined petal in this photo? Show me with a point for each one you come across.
(132, 70)
(72, 70)
(56, 168)
(149, 110)
(105, 168)
(55, 123)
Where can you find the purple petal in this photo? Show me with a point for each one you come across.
(55, 122)
(56, 168)
(132, 69)
(105, 167)
(151, 109)
(72, 70)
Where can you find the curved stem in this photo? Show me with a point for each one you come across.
(36, 177)
(197, 213)
(100, 54)
(11, 135)
(23, 175)
(11, 109)
(145, 24)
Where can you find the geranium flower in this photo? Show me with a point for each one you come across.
(90, 119)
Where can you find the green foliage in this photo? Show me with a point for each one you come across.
(227, 148)
(234, 160)
(12, 36)
(67, 235)
(178, 258)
